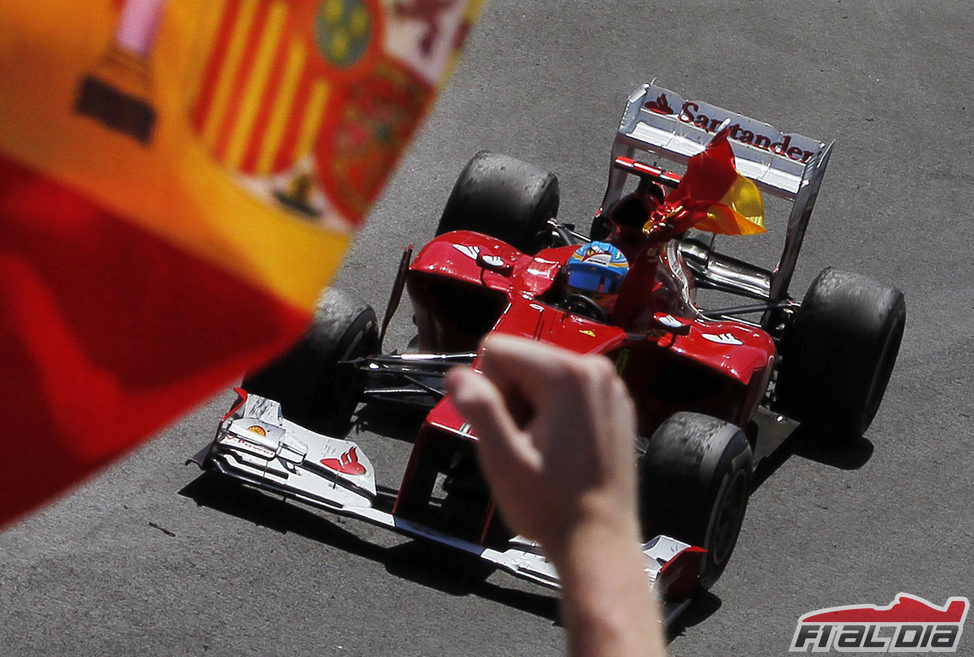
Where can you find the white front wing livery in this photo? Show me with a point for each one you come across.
(263, 448)
(257, 445)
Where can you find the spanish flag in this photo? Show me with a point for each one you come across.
(715, 196)
(178, 181)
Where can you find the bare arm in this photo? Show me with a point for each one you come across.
(556, 433)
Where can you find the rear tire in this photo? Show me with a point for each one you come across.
(694, 484)
(838, 352)
(502, 197)
(314, 390)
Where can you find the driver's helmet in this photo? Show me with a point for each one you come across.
(596, 270)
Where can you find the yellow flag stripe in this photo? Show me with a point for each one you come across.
(724, 220)
(312, 119)
(256, 85)
(228, 72)
(282, 108)
(745, 198)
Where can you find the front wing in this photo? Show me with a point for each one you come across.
(256, 445)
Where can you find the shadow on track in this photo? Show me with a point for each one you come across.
(401, 425)
(455, 572)
(428, 564)
(810, 443)
(703, 606)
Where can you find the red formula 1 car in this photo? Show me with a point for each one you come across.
(713, 387)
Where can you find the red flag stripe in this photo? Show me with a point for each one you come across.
(88, 369)
(270, 95)
(287, 152)
(243, 75)
(214, 66)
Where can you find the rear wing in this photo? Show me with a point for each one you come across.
(661, 124)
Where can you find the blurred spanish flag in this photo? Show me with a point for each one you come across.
(716, 197)
(178, 180)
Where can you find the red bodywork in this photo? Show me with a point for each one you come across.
(464, 285)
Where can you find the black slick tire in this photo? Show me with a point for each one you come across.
(503, 197)
(838, 352)
(694, 484)
(310, 383)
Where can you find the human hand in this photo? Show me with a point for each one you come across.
(555, 437)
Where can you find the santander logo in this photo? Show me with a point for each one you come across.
(708, 117)
(660, 105)
(348, 464)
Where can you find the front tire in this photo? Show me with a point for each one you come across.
(838, 352)
(503, 197)
(310, 383)
(694, 484)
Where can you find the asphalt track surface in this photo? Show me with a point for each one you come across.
(149, 559)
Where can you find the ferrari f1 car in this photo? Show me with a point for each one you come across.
(713, 386)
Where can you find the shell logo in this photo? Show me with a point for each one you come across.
(259, 430)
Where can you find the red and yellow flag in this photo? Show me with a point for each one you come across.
(178, 180)
(716, 197)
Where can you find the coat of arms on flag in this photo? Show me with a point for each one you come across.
(309, 103)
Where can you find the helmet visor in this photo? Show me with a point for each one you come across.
(595, 279)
